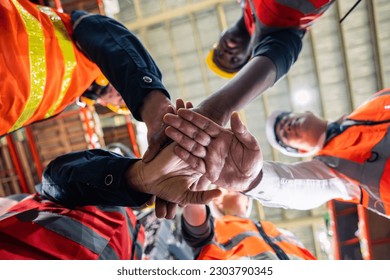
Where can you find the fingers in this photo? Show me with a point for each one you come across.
(201, 197)
(159, 141)
(185, 128)
(165, 209)
(186, 142)
(202, 184)
(180, 104)
(160, 208)
(202, 122)
(151, 152)
(171, 210)
(242, 133)
(193, 161)
(189, 105)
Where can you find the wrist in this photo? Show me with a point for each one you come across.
(217, 111)
(153, 103)
(255, 182)
(134, 177)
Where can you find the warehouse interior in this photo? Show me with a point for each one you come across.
(340, 66)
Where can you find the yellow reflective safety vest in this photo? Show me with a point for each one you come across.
(361, 152)
(240, 238)
(41, 70)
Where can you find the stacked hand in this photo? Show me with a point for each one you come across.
(170, 179)
(230, 158)
(204, 152)
(161, 172)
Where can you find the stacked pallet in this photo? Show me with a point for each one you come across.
(9, 182)
(74, 130)
(117, 134)
(71, 131)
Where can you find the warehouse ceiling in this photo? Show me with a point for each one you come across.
(339, 67)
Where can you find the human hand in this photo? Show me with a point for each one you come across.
(171, 180)
(230, 158)
(158, 140)
(155, 106)
(154, 112)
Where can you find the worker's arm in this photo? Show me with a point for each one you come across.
(273, 57)
(227, 157)
(302, 186)
(128, 66)
(197, 225)
(90, 177)
(98, 177)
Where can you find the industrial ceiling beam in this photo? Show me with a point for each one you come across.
(174, 13)
(347, 75)
(317, 72)
(201, 55)
(372, 18)
(221, 17)
(142, 30)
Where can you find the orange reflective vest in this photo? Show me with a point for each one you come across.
(40, 229)
(239, 238)
(41, 70)
(361, 153)
(276, 14)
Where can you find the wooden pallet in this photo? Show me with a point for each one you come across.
(65, 133)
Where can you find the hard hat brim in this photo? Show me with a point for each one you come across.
(215, 68)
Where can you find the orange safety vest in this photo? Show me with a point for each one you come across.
(41, 70)
(277, 14)
(239, 238)
(361, 153)
(40, 229)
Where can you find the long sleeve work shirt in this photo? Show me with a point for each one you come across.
(302, 186)
(120, 55)
(92, 177)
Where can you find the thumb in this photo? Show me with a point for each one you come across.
(202, 183)
(151, 152)
(200, 197)
(242, 133)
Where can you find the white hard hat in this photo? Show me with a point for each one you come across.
(276, 143)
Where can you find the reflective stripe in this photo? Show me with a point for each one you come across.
(231, 243)
(108, 254)
(68, 228)
(265, 256)
(36, 50)
(304, 6)
(384, 92)
(272, 256)
(369, 173)
(133, 233)
(66, 46)
(7, 215)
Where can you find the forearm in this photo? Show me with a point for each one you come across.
(301, 186)
(282, 48)
(120, 56)
(153, 108)
(93, 177)
(198, 235)
(251, 81)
